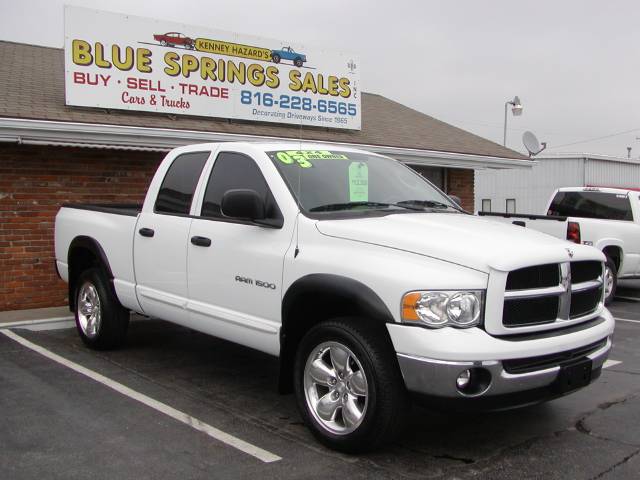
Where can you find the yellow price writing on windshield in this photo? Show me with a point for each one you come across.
(303, 157)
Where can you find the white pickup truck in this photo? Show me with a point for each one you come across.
(606, 218)
(368, 283)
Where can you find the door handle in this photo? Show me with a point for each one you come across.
(201, 241)
(146, 232)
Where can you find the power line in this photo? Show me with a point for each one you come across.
(594, 139)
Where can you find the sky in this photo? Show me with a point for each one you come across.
(575, 64)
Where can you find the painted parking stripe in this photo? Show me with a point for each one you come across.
(611, 363)
(199, 425)
(25, 323)
(632, 299)
(626, 320)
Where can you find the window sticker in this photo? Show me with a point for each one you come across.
(303, 157)
(358, 182)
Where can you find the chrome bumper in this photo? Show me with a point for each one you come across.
(437, 378)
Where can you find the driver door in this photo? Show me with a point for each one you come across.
(234, 266)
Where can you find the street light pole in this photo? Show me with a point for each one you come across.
(517, 111)
(504, 141)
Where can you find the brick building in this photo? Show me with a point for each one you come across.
(51, 153)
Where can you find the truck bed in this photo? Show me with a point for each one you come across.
(130, 209)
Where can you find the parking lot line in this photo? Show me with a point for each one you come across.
(626, 320)
(24, 323)
(611, 363)
(199, 425)
(632, 299)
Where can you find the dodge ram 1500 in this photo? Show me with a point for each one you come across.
(369, 283)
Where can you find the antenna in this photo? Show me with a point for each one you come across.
(532, 144)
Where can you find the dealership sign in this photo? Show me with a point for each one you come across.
(124, 62)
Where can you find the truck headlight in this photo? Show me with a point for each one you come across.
(441, 308)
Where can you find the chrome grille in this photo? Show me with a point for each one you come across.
(545, 294)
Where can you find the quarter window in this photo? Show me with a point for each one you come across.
(179, 184)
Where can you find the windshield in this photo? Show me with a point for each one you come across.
(330, 181)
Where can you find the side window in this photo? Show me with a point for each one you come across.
(179, 184)
(233, 171)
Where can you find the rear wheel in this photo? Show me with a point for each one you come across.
(100, 319)
(276, 58)
(610, 281)
(348, 385)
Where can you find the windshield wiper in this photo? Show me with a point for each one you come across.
(330, 207)
(430, 204)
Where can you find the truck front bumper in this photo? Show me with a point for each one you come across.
(507, 372)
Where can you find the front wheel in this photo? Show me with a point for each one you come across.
(348, 385)
(100, 319)
(298, 62)
(610, 281)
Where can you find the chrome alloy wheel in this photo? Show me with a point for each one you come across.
(608, 281)
(89, 312)
(335, 388)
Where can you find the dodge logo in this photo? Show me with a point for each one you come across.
(570, 252)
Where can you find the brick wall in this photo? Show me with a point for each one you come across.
(34, 183)
(460, 183)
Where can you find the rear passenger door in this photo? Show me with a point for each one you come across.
(235, 273)
(161, 239)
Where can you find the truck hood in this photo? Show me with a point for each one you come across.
(466, 240)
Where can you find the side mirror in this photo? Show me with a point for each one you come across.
(456, 200)
(243, 204)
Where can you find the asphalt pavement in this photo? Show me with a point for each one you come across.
(172, 402)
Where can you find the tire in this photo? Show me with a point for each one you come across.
(100, 319)
(359, 411)
(610, 281)
(298, 62)
(163, 43)
(275, 58)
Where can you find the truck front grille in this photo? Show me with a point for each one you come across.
(538, 276)
(583, 303)
(585, 271)
(551, 293)
(530, 311)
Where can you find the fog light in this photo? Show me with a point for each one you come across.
(463, 380)
(473, 381)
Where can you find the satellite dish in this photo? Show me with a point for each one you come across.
(532, 144)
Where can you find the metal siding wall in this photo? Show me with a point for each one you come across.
(611, 174)
(531, 188)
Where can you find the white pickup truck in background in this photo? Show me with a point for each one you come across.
(365, 280)
(605, 218)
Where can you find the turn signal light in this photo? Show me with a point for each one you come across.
(573, 232)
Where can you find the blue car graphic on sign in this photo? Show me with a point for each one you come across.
(287, 53)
